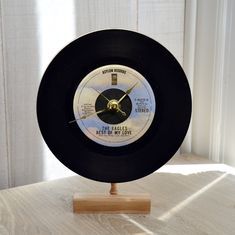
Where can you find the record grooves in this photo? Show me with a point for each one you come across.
(114, 105)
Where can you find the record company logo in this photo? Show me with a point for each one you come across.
(114, 75)
(114, 79)
(114, 71)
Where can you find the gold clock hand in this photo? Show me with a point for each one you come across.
(101, 94)
(122, 112)
(128, 91)
(118, 109)
(86, 116)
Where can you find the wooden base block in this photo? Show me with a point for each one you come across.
(98, 203)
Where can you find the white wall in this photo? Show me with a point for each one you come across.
(32, 32)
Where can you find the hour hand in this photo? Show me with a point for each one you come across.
(122, 112)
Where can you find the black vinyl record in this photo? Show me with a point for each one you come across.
(101, 154)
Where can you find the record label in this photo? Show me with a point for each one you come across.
(114, 105)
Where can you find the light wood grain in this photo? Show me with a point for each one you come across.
(197, 203)
(113, 189)
(111, 204)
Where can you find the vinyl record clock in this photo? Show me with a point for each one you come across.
(114, 106)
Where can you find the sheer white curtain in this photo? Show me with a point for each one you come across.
(209, 56)
(31, 34)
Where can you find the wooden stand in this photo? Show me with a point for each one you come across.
(112, 203)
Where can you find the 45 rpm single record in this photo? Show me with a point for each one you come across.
(114, 105)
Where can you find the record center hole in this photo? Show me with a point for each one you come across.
(113, 105)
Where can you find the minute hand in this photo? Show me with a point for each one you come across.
(86, 116)
(128, 91)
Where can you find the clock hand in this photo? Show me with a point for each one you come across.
(128, 91)
(122, 112)
(86, 116)
(118, 109)
(101, 94)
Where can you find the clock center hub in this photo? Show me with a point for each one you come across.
(113, 105)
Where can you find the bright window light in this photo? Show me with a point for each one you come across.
(140, 226)
(56, 28)
(187, 169)
(167, 215)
